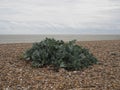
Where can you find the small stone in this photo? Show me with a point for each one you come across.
(74, 72)
(62, 70)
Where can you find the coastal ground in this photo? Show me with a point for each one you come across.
(17, 74)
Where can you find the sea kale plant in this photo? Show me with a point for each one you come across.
(59, 54)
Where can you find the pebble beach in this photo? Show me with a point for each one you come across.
(17, 74)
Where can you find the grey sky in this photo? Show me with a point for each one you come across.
(59, 16)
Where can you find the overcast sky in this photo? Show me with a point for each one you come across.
(59, 16)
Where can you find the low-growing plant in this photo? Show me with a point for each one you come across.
(59, 54)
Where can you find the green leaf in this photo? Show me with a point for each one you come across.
(59, 54)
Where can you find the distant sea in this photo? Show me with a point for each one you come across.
(37, 38)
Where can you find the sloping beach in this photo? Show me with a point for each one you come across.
(17, 74)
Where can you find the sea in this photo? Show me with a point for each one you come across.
(4, 39)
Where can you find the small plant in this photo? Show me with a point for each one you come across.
(59, 54)
(21, 56)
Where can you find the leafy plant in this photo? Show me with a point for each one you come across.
(59, 54)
